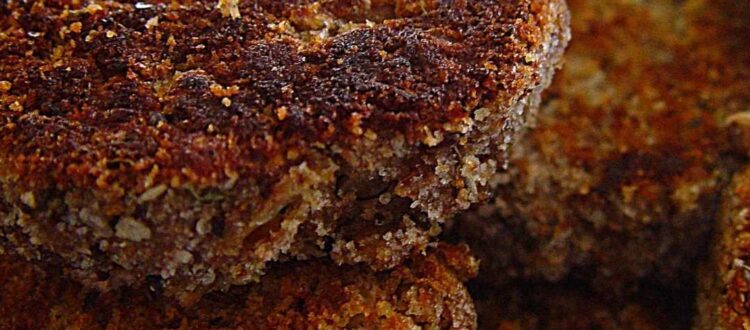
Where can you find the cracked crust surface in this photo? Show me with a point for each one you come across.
(194, 143)
(619, 180)
(425, 292)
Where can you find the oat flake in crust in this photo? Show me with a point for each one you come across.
(193, 144)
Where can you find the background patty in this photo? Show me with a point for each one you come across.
(723, 282)
(620, 178)
(176, 140)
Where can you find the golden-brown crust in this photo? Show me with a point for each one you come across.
(427, 291)
(175, 139)
(621, 175)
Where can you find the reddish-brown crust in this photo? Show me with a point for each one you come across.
(162, 138)
(621, 175)
(426, 292)
(117, 98)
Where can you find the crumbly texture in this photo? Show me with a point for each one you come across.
(724, 282)
(194, 141)
(426, 292)
(619, 181)
(527, 306)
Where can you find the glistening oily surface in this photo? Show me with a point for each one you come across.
(620, 178)
(180, 141)
(425, 292)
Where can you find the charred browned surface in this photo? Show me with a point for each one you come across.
(620, 178)
(426, 291)
(193, 143)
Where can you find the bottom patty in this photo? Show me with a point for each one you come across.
(426, 291)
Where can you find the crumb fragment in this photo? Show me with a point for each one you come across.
(229, 8)
(131, 229)
(152, 193)
(152, 22)
(203, 226)
(29, 199)
(184, 257)
(90, 37)
(16, 106)
(370, 135)
(281, 113)
(76, 27)
(5, 85)
(93, 8)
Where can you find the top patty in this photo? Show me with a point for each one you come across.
(196, 143)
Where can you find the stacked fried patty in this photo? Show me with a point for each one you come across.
(424, 292)
(190, 144)
(619, 180)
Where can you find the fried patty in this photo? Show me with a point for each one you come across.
(194, 143)
(724, 281)
(426, 292)
(620, 178)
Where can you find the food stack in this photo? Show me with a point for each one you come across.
(386, 164)
(256, 164)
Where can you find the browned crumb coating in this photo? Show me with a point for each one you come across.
(425, 292)
(620, 178)
(193, 143)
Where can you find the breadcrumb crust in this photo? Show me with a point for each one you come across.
(163, 139)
